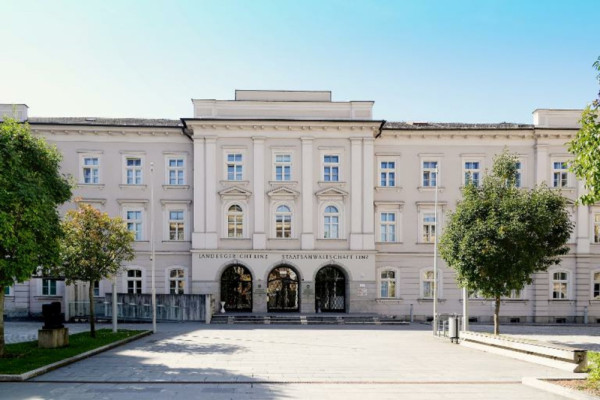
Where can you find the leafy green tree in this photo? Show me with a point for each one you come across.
(31, 188)
(499, 234)
(93, 248)
(586, 148)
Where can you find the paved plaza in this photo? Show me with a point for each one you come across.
(188, 360)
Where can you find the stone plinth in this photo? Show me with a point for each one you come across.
(53, 338)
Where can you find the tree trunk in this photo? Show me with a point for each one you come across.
(92, 316)
(1, 321)
(497, 317)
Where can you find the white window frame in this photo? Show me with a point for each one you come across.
(289, 214)
(139, 169)
(179, 170)
(142, 221)
(243, 220)
(97, 167)
(283, 165)
(430, 226)
(384, 226)
(567, 281)
(595, 234)
(236, 164)
(560, 171)
(326, 215)
(384, 183)
(177, 222)
(520, 181)
(56, 287)
(395, 280)
(430, 172)
(337, 165)
(466, 170)
(422, 281)
(9, 291)
(595, 282)
(169, 279)
(140, 279)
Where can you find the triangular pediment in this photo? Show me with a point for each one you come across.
(283, 191)
(235, 192)
(331, 192)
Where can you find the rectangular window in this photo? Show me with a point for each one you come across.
(596, 228)
(176, 225)
(283, 167)
(388, 227)
(471, 172)
(91, 170)
(176, 281)
(559, 174)
(134, 281)
(96, 288)
(176, 171)
(560, 285)
(48, 287)
(7, 291)
(387, 171)
(331, 167)
(133, 171)
(234, 167)
(515, 295)
(388, 284)
(283, 226)
(596, 286)
(428, 228)
(430, 173)
(518, 181)
(427, 284)
(134, 223)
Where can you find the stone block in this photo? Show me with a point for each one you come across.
(53, 338)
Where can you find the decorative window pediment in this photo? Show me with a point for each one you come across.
(235, 192)
(283, 192)
(331, 193)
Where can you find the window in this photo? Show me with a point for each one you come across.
(430, 173)
(49, 287)
(596, 285)
(388, 227)
(134, 222)
(428, 228)
(283, 167)
(96, 288)
(234, 167)
(516, 294)
(596, 228)
(283, 222)
(176, 170)
(133, 171)
(427, 284)
(91, 170)
(176, 225)
(235, 222)
(331, 165)
(519, 182)
(332, 223)
(8, 291)
(134, 281)
(472, 171)
(559, 174)
(387, 172)
(560, 285)
(176, 281)
(387, 284)
(475, 294)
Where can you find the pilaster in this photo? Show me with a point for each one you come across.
(356, 178)
(259, 238)
(211, 193)
(367, 189)
(308, 235)
(199, 229)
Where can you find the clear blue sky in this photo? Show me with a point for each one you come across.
(465, 61)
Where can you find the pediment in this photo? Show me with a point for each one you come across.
(283, 192)
(235, 192)
(331, 192)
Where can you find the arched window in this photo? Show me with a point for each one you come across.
(283, 222)
(560, 285)
(176, 281)
(387, 283)
(235, 222)
(428, 284)
(134, 281)
(331, 223)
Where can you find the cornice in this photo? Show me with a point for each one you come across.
(284, 125)
(489, 134)
(112, 131)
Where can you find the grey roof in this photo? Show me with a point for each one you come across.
(453, 126)
(143, 122)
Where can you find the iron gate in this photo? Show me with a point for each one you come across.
(330, 290)
(236, 289)
(282, 290)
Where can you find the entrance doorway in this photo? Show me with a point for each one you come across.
(330, 290)
(283, 290)
(236, 289)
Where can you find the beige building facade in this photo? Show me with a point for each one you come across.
(286, 201)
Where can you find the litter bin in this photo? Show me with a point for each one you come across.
(453, 328)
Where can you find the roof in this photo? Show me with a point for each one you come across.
(143, 122)
(453, 126)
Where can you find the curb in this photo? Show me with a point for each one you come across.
(47, 368)
(544, 384)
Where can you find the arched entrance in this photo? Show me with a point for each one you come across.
(283, 290)
(236, 288)
(330, 290)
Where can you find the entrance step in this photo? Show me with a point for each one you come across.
(312, 319)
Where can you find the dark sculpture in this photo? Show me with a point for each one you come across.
(53, 318)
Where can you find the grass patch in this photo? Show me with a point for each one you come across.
(22, 357)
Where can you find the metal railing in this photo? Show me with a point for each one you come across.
(81, 309)
(138, 307)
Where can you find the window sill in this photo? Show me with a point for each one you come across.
(176, 241)
(227, 182)
(168, 187)
(569, 189)
(128, 186)
(387, 243)
(283, 239)
(234, 238)
(595, 301)
(430, 188)
(331, 183)
(391, 300)
(564, 301)
(48, 296)
(427, 300)
(485, 301)
(332, 239)
(388, 188)
(425, 243)
(90, 185)
(283, 183)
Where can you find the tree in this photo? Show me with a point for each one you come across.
(93, 248)
(586, 147)
(31, 188)
(500, 234)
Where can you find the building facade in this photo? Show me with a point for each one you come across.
(282, 201)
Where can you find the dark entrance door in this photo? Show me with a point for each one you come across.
(282, 290)
(236, 289)
(330, 290)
